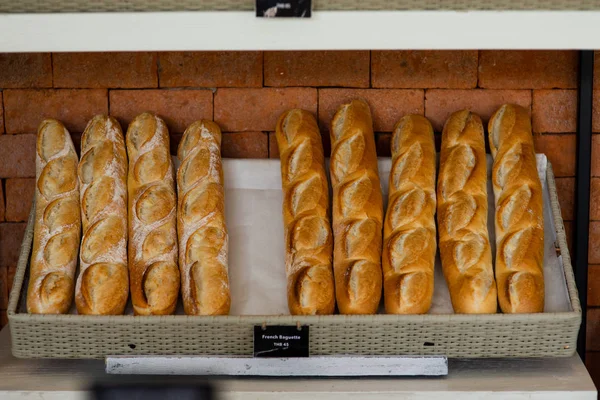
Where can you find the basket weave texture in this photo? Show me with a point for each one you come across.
(457, 336)
(54, 6)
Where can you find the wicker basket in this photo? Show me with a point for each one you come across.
(51, 6)
(460, 336)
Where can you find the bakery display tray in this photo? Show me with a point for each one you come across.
(257, 274)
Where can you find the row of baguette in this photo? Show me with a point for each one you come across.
(145, 234)
(121, 194)
(401, 261)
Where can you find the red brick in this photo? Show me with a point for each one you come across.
(18, 156)
(594, 243)
(273, 147)
(596, 111)
(317, 68)
(387, 105)
(11, 236)
(24, 70)
(528, 69)
(593, 295)
(2, 201)
(565, 188)
(439, 103)
(595, 199)
(560, 150)
(25, 109)
(3, 288)
(596, 69)
(19, 195)
(424, 69)
(593, 329)
(105, 70)
(258, 109)
(179, 108)
(554, 111)
(1, 114)
(595, 155)
(211, 69)
(245, 145)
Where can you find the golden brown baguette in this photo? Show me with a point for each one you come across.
(409, 238)
(357, 210)
(519, 214)
(57, 228)
(201, 225)
(308, 238)
(102, 287)
(462, 216)
(153, 270)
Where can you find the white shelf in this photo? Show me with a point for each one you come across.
(531, 379)
(157, 31)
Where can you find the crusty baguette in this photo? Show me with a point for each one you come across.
(519, 214)
(308, 237)
(357, 210)
(153, 271)
(57, 228)
(409, 237)
(201, 225)
(102, 286)
(462, 216)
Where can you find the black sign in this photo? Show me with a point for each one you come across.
(152, 391)
(283, 8)
(280, 341)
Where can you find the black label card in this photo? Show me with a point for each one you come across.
(283, 8)
(280, 341)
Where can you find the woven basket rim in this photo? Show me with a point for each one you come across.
(23, 262)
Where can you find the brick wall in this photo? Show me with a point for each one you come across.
(246, 91)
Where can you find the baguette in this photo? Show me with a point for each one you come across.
(519, 214)
(409, 236)
(201, 225)
(308, 237)
(357, 210)
(153, 271)
(102, 287)
(57, 228)
(462, 216)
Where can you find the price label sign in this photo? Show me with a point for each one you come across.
(283, 8)
(280, 341)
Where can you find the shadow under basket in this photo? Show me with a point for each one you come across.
(548, 334)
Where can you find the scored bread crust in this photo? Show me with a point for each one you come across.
(519, 213)
(102, 286)
(57, 228)
(462, 216)
(357, 210)
(153, 270)
(409, 234)
(202, 233)
(308, 237)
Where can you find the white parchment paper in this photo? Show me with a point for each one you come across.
(253, 201)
